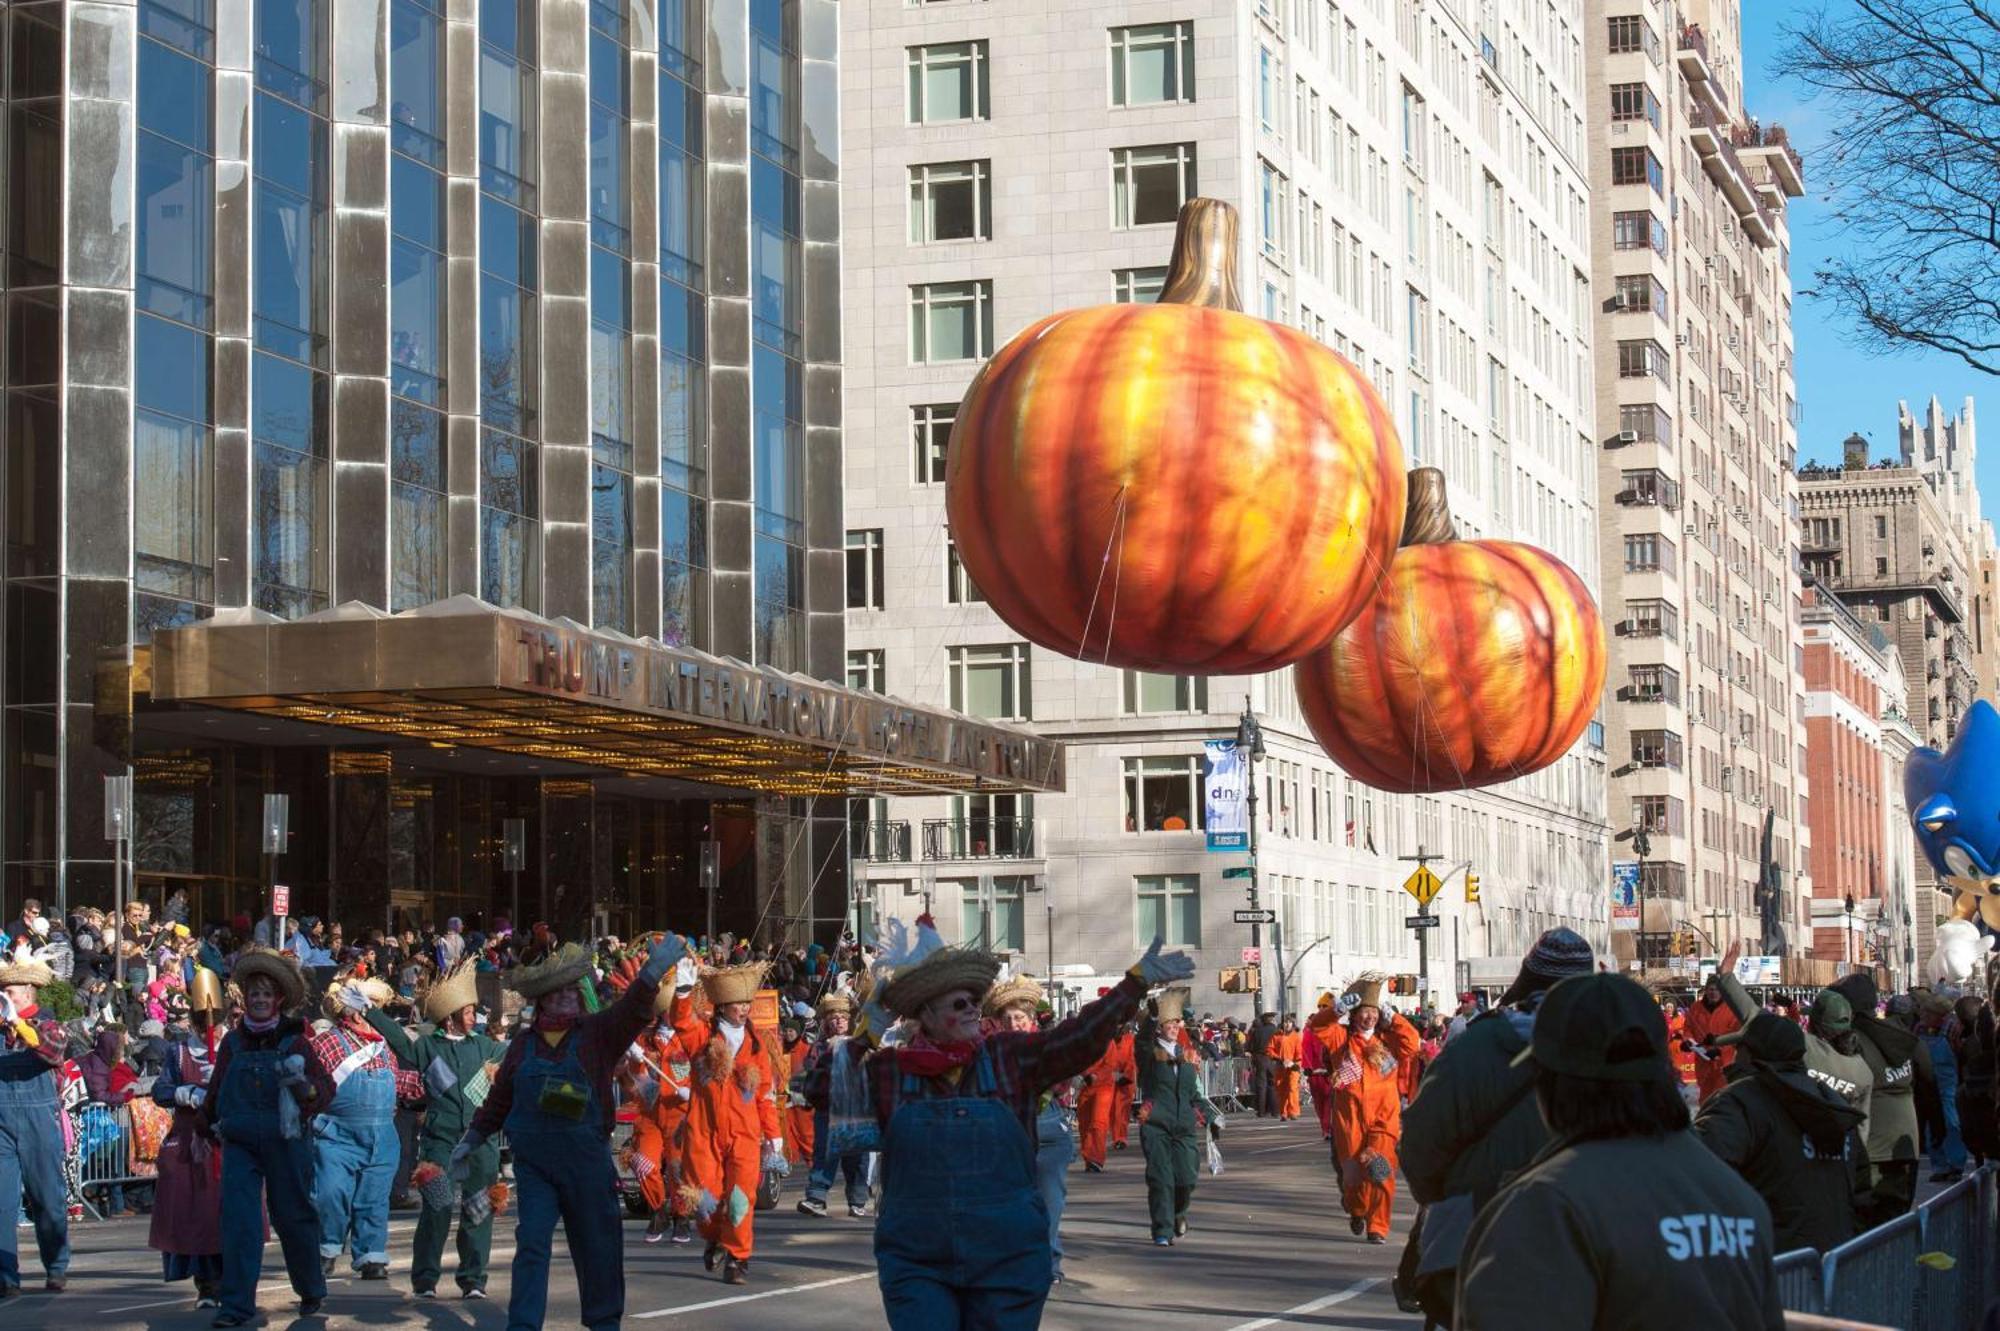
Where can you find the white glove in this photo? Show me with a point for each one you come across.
(687, 973)
(774, 1157)
(189, 1097)
(461, 1156)
(1157, 968)
(292, 1070)
(355, 999)
(680, 1092)
(8, 1012)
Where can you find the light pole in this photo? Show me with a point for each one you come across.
(1250, 743)
(1847, 935)
(1641, 844)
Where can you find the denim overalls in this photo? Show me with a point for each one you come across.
(1055, 1143)
(260, 1163)
(963, 1239)
(31, 1156)
(355, 1152)
(562, 1168)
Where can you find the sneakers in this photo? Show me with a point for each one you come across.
(307, 1307)
(711, 1256)
(231, 1319)
(656, 1228)
(1091, 1166)
(374, 1270)
(683, 1231)
(1357, 1226)
(1162, 1241)
(1118, 1146)
(814, 1206)
(1378, 1238)
(423, 1293)
(859, 1211)
(735, 1272)
(1180, 1228)
(55, 1284)
(474, 1293)
(208, 1300)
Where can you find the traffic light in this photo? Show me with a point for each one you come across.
(1471, 888)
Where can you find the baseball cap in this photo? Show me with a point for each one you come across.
(1602, 1026)
(1832, 1014)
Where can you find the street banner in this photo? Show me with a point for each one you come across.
(1624, 894)
(1223, 781)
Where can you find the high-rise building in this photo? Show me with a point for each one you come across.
(1696, 416)
(1412, 182)
(406, 408)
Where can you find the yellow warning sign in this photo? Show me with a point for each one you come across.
(1423, 885)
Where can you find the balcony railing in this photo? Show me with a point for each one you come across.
(884, 843)
(978, 838)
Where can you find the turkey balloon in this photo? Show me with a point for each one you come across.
(1175, 487)
(1480, 661)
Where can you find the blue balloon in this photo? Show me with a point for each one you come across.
(1954, 798)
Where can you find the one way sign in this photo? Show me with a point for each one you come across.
(1256, 916)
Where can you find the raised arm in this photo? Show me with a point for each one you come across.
(392, 1033)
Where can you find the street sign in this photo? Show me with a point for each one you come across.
(1256, 917)
(1253, 956)
(1240, 871)
(1422, 921)
(1225, 841)
(281, 899)
(1423, 885)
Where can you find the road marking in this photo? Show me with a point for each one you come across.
(747, 1298)
(1288, 1146)
(1355, 1290)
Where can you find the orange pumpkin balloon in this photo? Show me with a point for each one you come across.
(1176, 487)
(1480, 661)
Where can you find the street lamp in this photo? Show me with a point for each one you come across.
(1641, 844)
(1250, 743)
(1847, 935)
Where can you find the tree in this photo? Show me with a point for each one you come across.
(1913, 166)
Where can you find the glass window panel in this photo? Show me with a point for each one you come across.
(778, 455)
(176, 229)
(773, 90)
(34, 216)
(288, 284)
(416, 321)
(417, 555)
(506, 126)
(507, 338)
(506, 242)
(610, 548)
(930, 428)
(188, 24)
(416, 80)
(508, 25)
(681, 36)
(416, 202)
(1139, 286)
(170, 369)
(174, 99)
(287, 526)
(173, 522)
(507, 473)
(291, 36)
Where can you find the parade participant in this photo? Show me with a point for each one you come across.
(656, 1075)
(1624, 1220)
(1707, 1018)
(1124, 1083)
(732, 1131)
(31, 1138)
(1318, 1071)
(1097, 1103)
(187, 1198)
(963, 1236)
(1938, 1030)
(797, 1120)
(355, 1144)
(1286, 1072)
(836, 1020)
(1901, 1068)
(456, 1064)
(1833, 1051)
(264, 1088)
(1012, 1005)
(1263, 1086)
(1367, 1103)
(1175, 1115)
(552, 1097)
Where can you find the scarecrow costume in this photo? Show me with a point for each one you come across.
(457, 1072)
(655, 1076)
(1106, 1100)
(732, 1127)
(355, 1143)
(187, 1200)
(31, 1131)
(1175, 1117)
(1055, 1124)
(552, 1097)
(1367, 1102)
(851, 1165)
(264, 1088)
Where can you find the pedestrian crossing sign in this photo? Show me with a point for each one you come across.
(1423, 885)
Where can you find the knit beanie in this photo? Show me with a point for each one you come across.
(1558, 954)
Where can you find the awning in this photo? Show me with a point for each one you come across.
(463, 672)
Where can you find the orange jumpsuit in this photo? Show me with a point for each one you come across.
(1684, 1059)
(1124, 1081)
(1313, 1062)
(1704, 1023)
(732, 1112)
(1367, 1109)
(656, 1132)
(799, 1116)
(1284, 1053)
(1098, 1103)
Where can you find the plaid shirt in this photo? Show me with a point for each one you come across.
(331, 1048)
(1025, 1063)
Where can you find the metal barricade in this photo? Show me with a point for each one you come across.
(1872, 1277)
(1800, 1273)
(1229, 1085)
(109, 1153)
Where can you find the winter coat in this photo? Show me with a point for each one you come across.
(1977, 1065)
(1797, 1143)
(1474, 1120)
(1847, 1075)
(1901, 1067)
(1169, 1090)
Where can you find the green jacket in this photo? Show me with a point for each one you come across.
(447, 1113)
(1848, 1075)
(1170, 1091)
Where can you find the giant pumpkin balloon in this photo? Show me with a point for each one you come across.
(1175, 487)
(1479, 662)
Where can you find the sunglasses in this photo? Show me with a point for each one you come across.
(958, 1003)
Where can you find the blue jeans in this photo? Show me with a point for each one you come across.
(353, 1165)
(852, 1167)
(31, 1152)
(279, 1172)
(563, 1171)
(1950, 1152)
(1057, 1149)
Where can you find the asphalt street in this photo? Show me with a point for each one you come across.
(1268, 1247)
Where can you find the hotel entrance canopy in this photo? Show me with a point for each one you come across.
(462, 672)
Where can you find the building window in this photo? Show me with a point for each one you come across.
(1163, 794)
(959, 589)
(507, 527)
(951, 201)
(1656, 748)
(1648, 552)
(1655, 683)
(1640, 291)
(417, 469)
(1138, 286)
(1881, 566)
(1635, 101)
(867, 670)
(173, 531)
(951, 321)
(1637, 166)
(1646, 422)
(864, 569)
(1150, 694)
(1638, 231)
(930, 434)
(1640, 357)
(1630, 33)
(991, 682)
(1881, 527)
(994, 911)
(1273, 208)
(1149, 184)
(1152, 64)
(1658, 813)
(948, 83)
(1168, 908)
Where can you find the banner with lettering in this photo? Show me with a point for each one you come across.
(1223, 780)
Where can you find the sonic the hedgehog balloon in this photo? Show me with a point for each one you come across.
(1954, 803)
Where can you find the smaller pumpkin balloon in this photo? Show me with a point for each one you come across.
(1480, 661)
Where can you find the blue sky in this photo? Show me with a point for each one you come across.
(1842, 387)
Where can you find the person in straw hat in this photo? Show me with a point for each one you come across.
(187, 1200)
(963, 1237)
(1015, 1005)
(553, 1098)
(836, 1023)
(655, 1075)
(1364, 1053)
(31, 1139)
(355, 1143)
(457, 1064)
(1175, 1115)
(265, 1086)
(732, 1131)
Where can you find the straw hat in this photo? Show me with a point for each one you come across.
(560, 969)
(379, 994)
(947, 970)
(278, 967)
(733, 984)
(35, 973)
(455, 989)
(1018, 992)
(1369, 990)
(835, 1003)
(1172, 1004)
(205, 994)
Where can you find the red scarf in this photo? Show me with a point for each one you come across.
(923, 1057)
(549, 1021)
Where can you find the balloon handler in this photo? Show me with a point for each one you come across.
(1175, 1114)
(31, 1136)
(457, 1065)
(552, 1097)
(963, 1238)
(265, 1089)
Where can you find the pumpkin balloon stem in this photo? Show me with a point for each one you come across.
(1203, 269)
(1427, 515)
